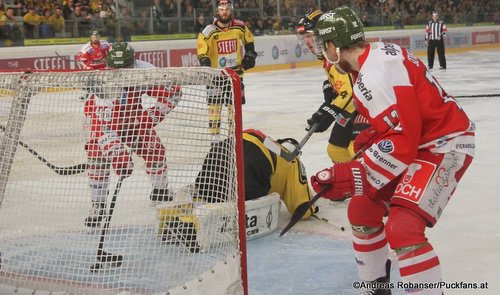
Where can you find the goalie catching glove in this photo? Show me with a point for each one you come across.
(346, 180)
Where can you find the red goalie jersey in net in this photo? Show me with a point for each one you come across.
(122, 122)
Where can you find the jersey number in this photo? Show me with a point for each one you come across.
(443, 94)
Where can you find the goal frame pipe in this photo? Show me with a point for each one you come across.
(15, 122)
(240, 176)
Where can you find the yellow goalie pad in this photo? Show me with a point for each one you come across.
(201, 226)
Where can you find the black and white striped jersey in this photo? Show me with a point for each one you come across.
(435, 30)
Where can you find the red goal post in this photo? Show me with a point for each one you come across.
(45, 191)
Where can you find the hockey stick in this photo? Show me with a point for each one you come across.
(478, 95)
(304, 207)
(103, 256)
(305, 139)
(290, 156)
(66, 57)
(71, 170)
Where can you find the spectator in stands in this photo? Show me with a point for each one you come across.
(68, 9)
(157, 15)
(127, 25)
(56, 21)
(142, 23)
(45, 29)
(259, 28)
(19, 8)
(277, 25)
(200, 24)
(292, 24)
(12, 29)
(31, 22)
(169, 8)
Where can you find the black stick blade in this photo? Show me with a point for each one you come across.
(297, 215)
(108, 260)
(302, 209)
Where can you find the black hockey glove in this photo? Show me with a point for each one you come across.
(324, 116)
(205, 61)
(249, 59)
(328, 93)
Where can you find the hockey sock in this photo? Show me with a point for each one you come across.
(420, 266)
(371, 254)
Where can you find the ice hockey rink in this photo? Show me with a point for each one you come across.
(315, 257)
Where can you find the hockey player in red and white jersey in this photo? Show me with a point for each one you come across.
(92, 55)
(119, 125)
(424, 145)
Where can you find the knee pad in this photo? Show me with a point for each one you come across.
(366, 212)
(404, 228)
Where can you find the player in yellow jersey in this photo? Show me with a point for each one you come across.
(339, 103)
(220, 46)
(268, 177)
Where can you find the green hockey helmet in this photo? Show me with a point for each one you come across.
(342, 27)
(121, 55)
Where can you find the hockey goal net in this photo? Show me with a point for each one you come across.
(180, 245)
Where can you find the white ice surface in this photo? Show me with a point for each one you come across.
(316, 258)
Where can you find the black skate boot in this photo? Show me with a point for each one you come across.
(381, 285)
(96, 214)
(160, 195)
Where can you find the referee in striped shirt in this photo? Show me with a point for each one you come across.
(435, 31)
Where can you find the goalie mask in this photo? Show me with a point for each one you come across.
(121, 55)
(290, 144)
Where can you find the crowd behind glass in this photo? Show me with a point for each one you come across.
(122, 19)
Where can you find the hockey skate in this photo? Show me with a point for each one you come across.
(379, 286)
(96, 214)
(159, 195)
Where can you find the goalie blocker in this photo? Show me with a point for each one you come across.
(199, 226)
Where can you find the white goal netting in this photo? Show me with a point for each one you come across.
(100, 182)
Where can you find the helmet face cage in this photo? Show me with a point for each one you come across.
(319, 46)
(225, 4)
(306, 31)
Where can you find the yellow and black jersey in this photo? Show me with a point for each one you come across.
(342, 84)
(265, 172)
(340, 147)
(223, 46)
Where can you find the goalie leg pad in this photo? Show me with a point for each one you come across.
(262, 215)
(207, 225)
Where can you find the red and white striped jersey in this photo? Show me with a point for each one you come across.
(406, 105)
(93, 57)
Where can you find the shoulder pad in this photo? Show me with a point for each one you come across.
(209, 29)
(85, 47)
(237, 22)
(104, 44)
